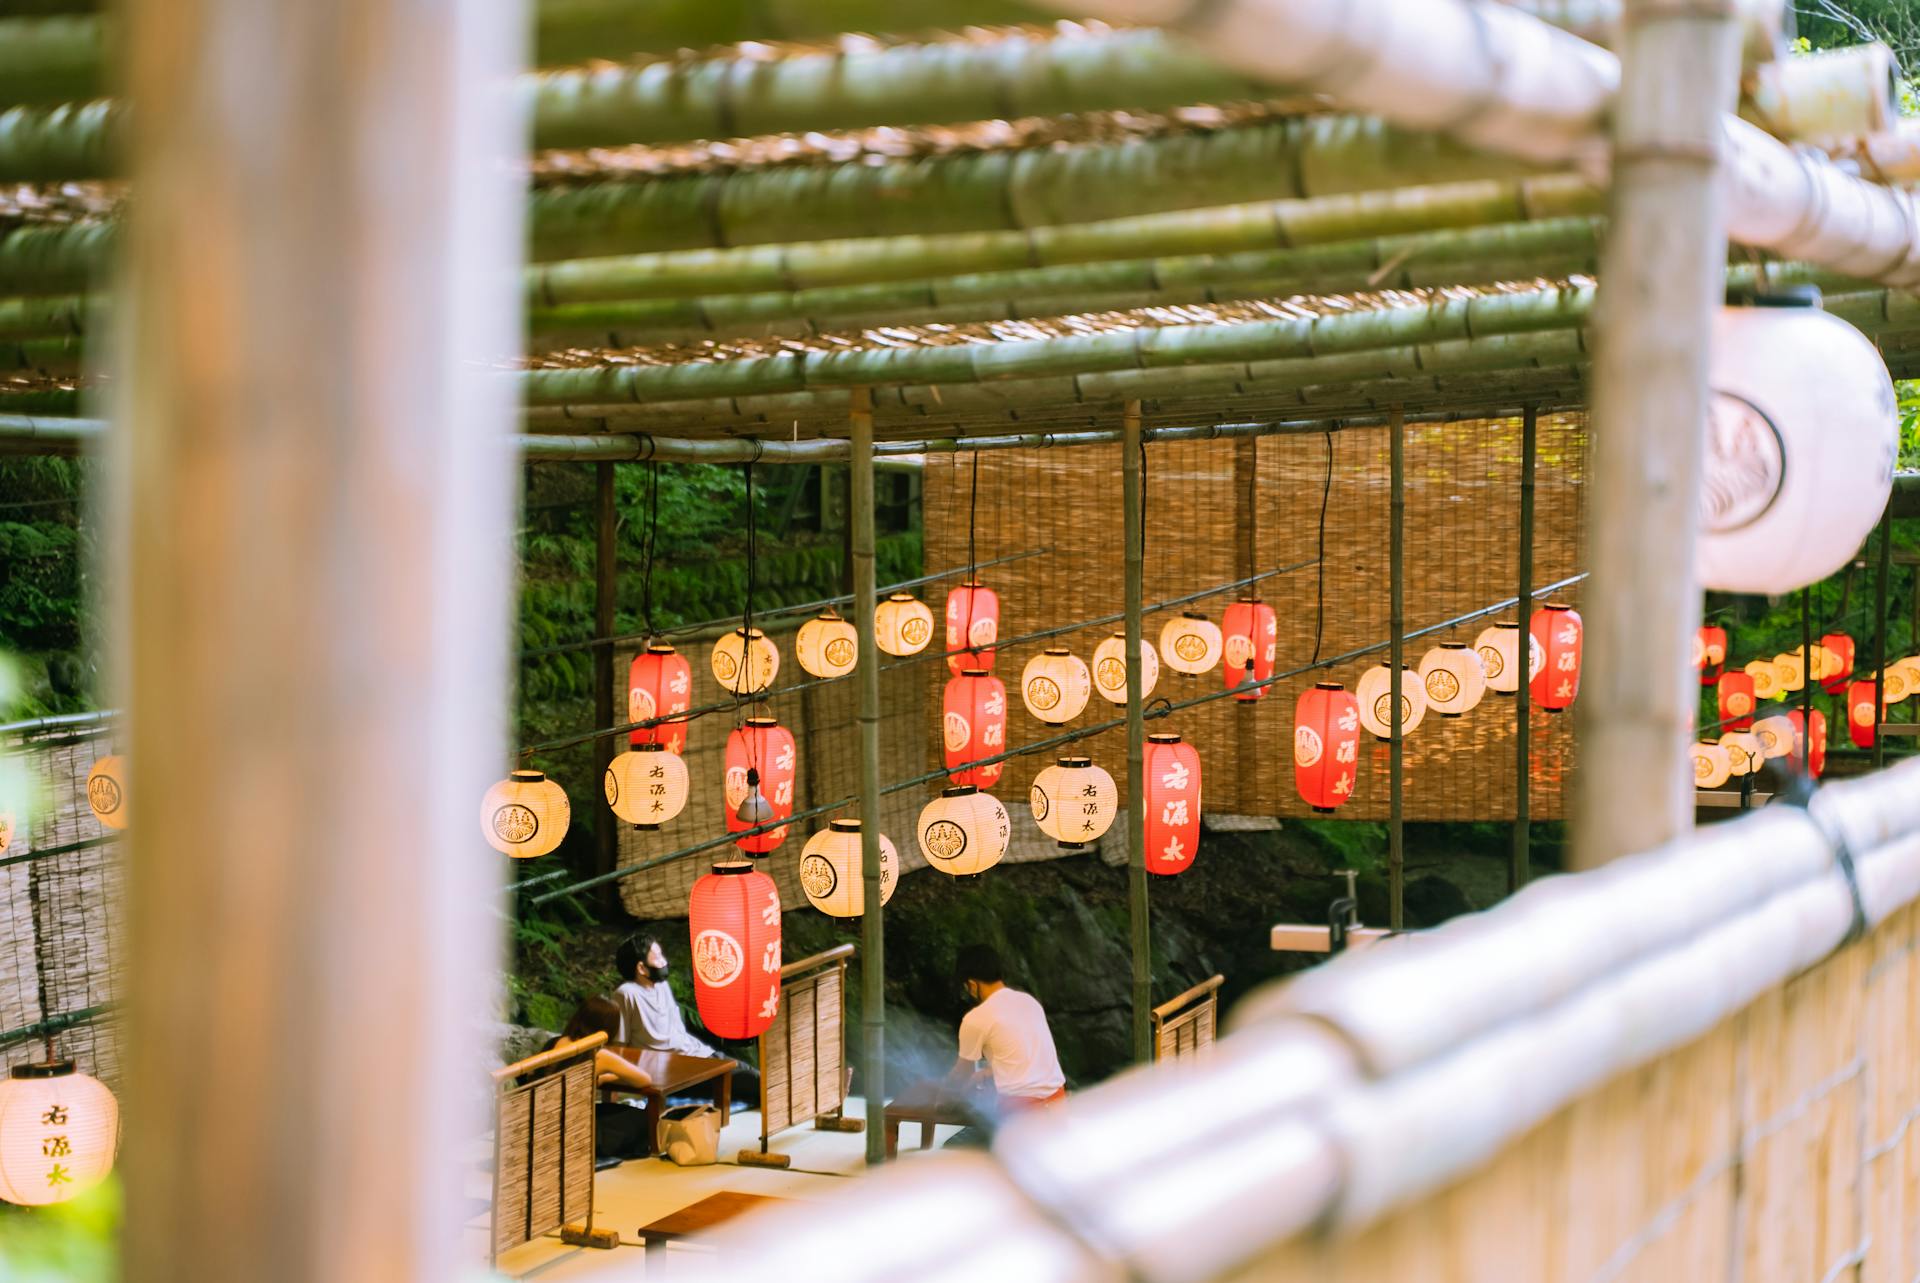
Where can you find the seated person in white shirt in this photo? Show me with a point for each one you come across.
(650, 1015)
(1008, 1030)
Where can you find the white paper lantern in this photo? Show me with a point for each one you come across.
(647, 786)
(1453, 678)
(1775, 735)
(902, 624)
(1074, 801)
(1792, 670)
(1743, 752)
(1055, 685)
(1190, 644)
(1110, 668)
(827, 646)
(745, 661)
(525, 815)
(6, 831)
(833, 870)
(964, 831)
(1711, 766)
(1768, 680)
(1894, 684)
(1906, 671)
(1375, 693)
(59, 1132)
(107, 791)
(1499, 649)
(1802, 430)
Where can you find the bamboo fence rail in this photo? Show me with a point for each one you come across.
(70, 140)
(52, 59)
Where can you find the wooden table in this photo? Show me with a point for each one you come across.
(697, 1218)
(930, 1103)
(672, 1074)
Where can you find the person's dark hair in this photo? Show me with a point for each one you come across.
(632, 955)
(979, 962)
(594, 1016)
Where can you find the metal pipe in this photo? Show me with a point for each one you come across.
(1520, 866)
(873, 945)
(1137, 901)
(1396, 658)
(1880, 639)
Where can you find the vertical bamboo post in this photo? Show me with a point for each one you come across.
(313, 487)
(1520, 866)
(873, 952)
(1880, 638)
(1397, 629)
(1806, 682)
(1662, 277)
(1135, 539)
(606, 584)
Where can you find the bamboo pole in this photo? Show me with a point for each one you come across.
(1634, 790)
(1520, 866)
(1880, 638)
(606, 597)
(71, 140)
(1140, 929)
(1396, 660)
(873, 951)
(311, 578)
(52, 59)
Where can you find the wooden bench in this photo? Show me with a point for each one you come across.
(673, 1074)
(803, 1054)
(1183, 1027)
(543, 1138)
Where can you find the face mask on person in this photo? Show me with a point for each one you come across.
(657, 974)
(969, 996)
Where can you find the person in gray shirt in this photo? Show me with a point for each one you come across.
(650, 1015)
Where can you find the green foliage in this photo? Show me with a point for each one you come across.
(72, 1242)
(45, 547)
(1828, 24)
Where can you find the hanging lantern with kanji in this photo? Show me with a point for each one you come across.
(1190, 643)
(1893, 684)
(1374, 692)
(1710, 652)
(964, 832)
(1907, 671)
(1055, 684)
(1792, 666)
(827, 646)
(973, 725)
(1110, 668)
(659, 684)
(1861, 722)
(59, 1133)
(1737, 700)
(902, 625)
(1743, 752)
(1248, 640)
(525, 815)
(745, 661)
(1560, 637)
(1453, 678)
(833, 874)
(1172, 771)
(1074, 801)
(6, 831)
(973, 625)
(733, 924)
(107, 791)
(1711, 766)
(1326, 745)
(1841, 647)
(1499, 649)
(1766, 677)
(1775, 734)
(1809, 749)
(760, 766)
(647, 786)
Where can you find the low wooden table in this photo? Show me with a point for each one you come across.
(930, 1103)
(672, 1074)
(697, 1218)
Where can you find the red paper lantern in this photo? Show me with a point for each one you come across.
(733, 922)
(760, 755)
(1841, 645)
(973, 625)
(1561, 637)
(1248, 639)
(1815, 755)
(1737, 701)
(1173, 803)
(1326, 745)
(659, 684)
(1710, 652)
(974, 725)
(1861, 722)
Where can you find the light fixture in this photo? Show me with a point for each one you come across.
(646, 786)
(1110, 668)
(1809, 746)
(525, 815)
(827, 646)
(733, 926)
(1055, 684)
(59, 1133)
(1711, 766)
(1074, 801)
(1248, 630)
(973, 625)
(1766, 678)
(1453, 678)
(902, 625)
(659, 684)
(1558, 636)
(1190, 643)
(1499, 649)
(1326, 745)
(832, 870)
(1775, 735)
(107, 791)
(1375, 695)
(1743, 752)
(1710, 652)
(1792, 669)
(973, 725)
(1861, 722)
(745, 661)
(1172, 770)
(1840, 646)
(964, 832)
(1737, 698)
(761, 762)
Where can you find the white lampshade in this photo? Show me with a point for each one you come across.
(1792, 669)
(107, 791)
(1711, 766)
(1908, 670)
(1453, 678)
(1074, 801)
(1055, 685)
(964, 831)
(59, 1132)
(902, 624)
(1744, 753)
(646, 786)
(1802, 430)
(1894, 684)
(745, 661)
(827, 646)
(1768, 680)
(1499, 648)
(832, 871)
(1375, 693)
(1190, 644)
(525, 815)
(1110, 668)
(1775, 735)
(6, 831)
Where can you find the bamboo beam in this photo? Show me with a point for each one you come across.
(71, 140)
(873, 953)
(64, 258)
(302, 880)
(1140, 932)
(52, 59)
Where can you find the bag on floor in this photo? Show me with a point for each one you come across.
(690, 1135)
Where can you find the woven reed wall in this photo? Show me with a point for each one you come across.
(1779, 1148)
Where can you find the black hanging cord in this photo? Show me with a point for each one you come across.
(746, 625)
(648, 547)
(973, 515)
(1320, 609)
(1253, 504)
